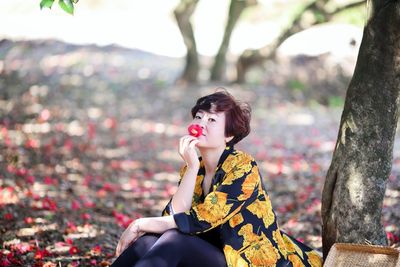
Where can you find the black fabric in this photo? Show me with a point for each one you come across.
(170, 249)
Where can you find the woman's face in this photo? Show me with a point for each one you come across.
(213, 125)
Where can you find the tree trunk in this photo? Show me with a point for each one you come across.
(183, 13)
(356, 180)
(235, 10)
(318, 14)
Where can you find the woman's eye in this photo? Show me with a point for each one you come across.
(211, 119)
(197, 117)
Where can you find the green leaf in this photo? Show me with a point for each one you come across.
(67, 6)
(46, 3)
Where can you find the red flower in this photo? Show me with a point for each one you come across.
(195, 130)
(86, 216)
(96, 250)
(73, 250)
(22, 248)
(8, 216)
(49, 181)
(75, 205)
(28, 220)
(71, 227)
(30, 179)
(41, 253)
(12, 260)
(49, 204)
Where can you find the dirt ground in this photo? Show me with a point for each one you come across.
(88, 141)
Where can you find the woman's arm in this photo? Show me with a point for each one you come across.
(182, 199)
(156, 225)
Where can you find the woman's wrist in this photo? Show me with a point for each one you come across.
(194, 168)
(136, 224)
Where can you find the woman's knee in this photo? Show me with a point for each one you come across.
(173, 238)
(172, 233)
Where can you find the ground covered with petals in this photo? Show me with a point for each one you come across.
(89, 137)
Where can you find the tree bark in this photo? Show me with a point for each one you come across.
(320, 14)
(356, 180)
(235, 10)
(183, 12)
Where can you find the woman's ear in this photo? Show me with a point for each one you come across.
(228, 139)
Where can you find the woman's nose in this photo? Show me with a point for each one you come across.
(202, 123)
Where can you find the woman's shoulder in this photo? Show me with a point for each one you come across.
(241, 156)
(237, 158)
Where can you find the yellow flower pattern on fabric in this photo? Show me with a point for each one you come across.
(249, 184)
(231, 162)
(263, 210)
(314, 259)
(235, 168)
(242, 168)
(214, 208)
(262, 253)
(233, 259)
(236, 220)
(240, 211)
(276, 235)
(249, 237)
(291, 246)
(295, 260)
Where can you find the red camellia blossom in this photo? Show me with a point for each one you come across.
(75, 205)
(195, 130)
(28, 220)
(8, 216)
(96, 250)
(73, 250)
(86, 216)
(49, 204)
(41, 253)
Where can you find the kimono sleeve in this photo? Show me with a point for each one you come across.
(239, 187)
(167, 210)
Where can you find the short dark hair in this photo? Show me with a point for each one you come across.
(238, 114)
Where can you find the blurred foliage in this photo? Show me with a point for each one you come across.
(296, 85)
(356, 16)
(66, 5)
(335, 101)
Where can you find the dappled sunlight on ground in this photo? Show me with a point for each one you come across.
(88, 146)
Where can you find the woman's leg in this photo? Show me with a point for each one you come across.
(174, 248)
(135, 251)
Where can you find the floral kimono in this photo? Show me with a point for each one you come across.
(239, 211)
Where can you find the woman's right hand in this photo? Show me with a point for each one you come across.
(130, 235)
(188, 152)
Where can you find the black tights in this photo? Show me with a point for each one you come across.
(172, 248)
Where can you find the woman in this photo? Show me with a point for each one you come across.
(221, 214)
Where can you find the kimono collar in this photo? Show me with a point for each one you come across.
(219, 174)
(227, 151)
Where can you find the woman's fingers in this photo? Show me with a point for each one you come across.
(130, 235)
(184, 143)
(193, 143)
